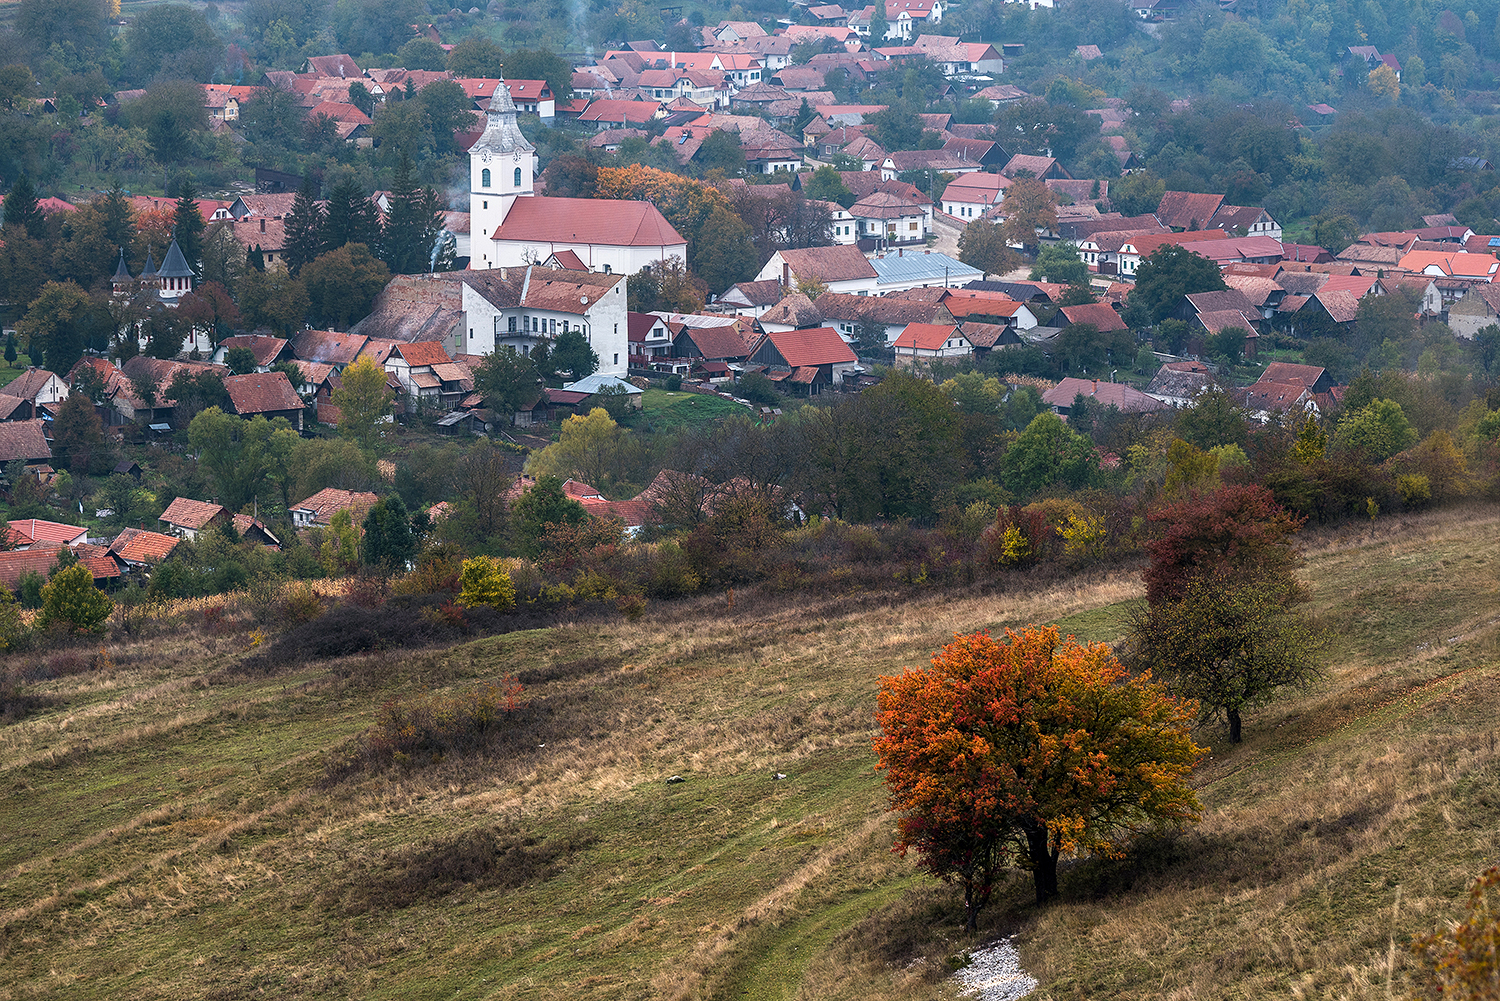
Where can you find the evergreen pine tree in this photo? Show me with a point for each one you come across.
(188, 227)
(352, 217)
(119, 219)
(10, 349)
(304, 230)
(21, 207)
(414, 224)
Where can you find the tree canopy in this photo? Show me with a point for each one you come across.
(1021, 749)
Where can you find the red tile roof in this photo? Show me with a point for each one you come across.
(603, 221)
(828, 264)
(423, 353)
(184, 512)
(811, 347)
(329, 501)
(264, 348)
(719, 343)
(328, 346)
(925, 336)
(17, 563)
(32, 530)
(261, 393)
(1101, 315)
(1187, 209)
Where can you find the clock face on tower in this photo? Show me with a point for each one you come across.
(484, 156)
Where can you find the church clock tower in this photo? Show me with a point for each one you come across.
(502, 165)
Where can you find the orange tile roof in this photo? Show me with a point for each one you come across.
(423, 353)
(811, 347)
(329, 501)
(135, 545)
(925, 336)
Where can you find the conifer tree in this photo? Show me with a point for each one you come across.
(352, 217)
(304, 230)
(21, 207)
(414, 224)
(188, 227)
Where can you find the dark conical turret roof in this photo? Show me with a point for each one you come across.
(122, 273)
(174, 265)
(149, 271)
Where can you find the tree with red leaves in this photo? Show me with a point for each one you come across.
(1018, 750)
(1219, 625)
(1239, 528)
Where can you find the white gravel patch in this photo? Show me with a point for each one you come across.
(994, 974)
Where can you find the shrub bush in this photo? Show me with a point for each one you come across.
(71, 601)
(482, 581)
(1415, 490)
(434, 725)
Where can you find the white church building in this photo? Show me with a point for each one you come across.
(511, 226)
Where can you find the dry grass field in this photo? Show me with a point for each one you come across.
(176, 826)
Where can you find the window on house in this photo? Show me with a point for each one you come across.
(512, 327)
(565, 326)
(484, 178)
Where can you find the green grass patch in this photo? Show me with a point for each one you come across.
(666, 410)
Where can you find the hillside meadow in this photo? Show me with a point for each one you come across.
(178, 824)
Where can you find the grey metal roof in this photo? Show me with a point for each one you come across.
(174, 265)
(924, 267)
(596, 382)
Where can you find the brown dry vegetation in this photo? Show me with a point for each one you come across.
(178, 828)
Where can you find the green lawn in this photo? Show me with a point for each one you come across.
(666, 410)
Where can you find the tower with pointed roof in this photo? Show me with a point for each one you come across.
(175, 277)
(502, 167)
(122, 279)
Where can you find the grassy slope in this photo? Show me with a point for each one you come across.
(171, 830)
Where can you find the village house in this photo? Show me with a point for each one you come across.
(189, 518)
(805, 361)
(922, 343)
(265, 394)
(34, 390)
(318, 510)
(1126, 399)
(523, 306)
(26, 533)
(839, 269)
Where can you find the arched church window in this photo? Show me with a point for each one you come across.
(484, 178)
(518, 177)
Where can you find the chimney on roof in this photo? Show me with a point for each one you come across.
(786, 276)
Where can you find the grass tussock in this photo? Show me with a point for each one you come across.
(182, 820)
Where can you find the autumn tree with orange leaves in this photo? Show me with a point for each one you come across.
(1019, 750)
(689, 206)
